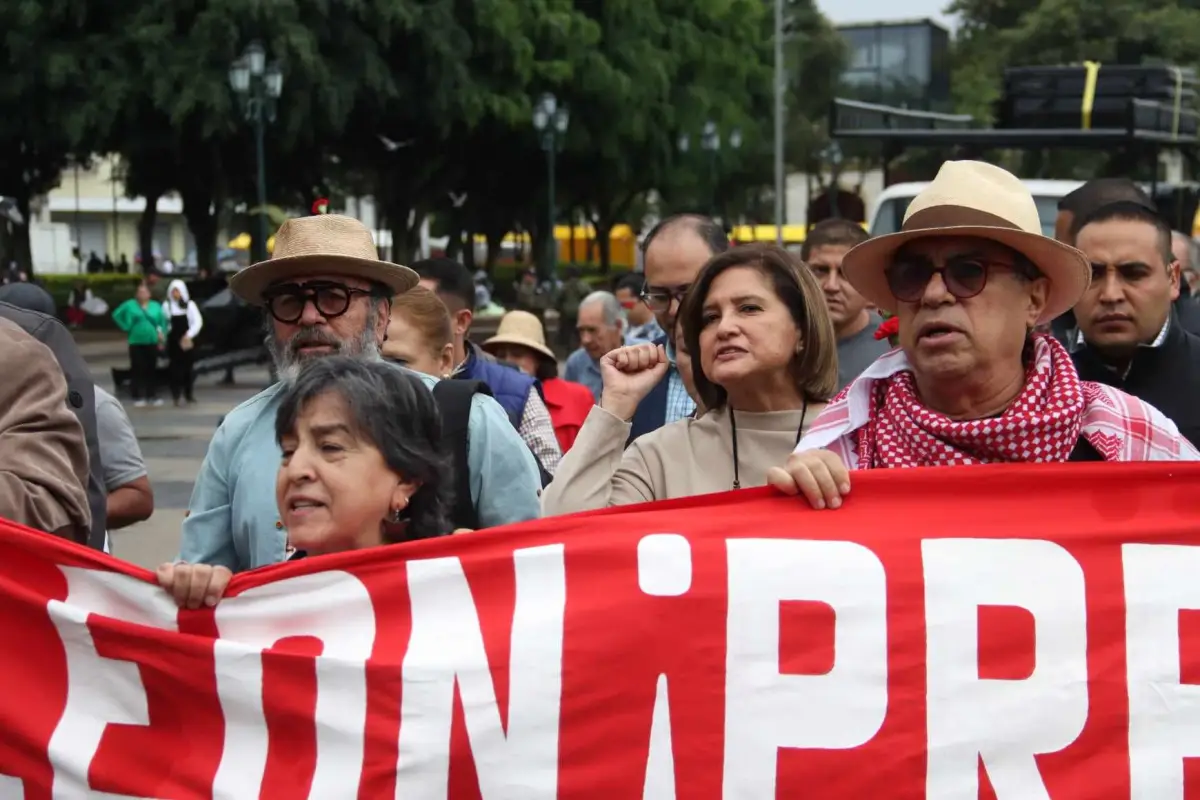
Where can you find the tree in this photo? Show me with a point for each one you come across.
(674, 67)
(184, 130)
(57, 98)
(461, 77)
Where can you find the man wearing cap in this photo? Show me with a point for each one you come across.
(327, 293)
(970, 277)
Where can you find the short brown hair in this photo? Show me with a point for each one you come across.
(833, 233)
(815, 367)
(426, 312)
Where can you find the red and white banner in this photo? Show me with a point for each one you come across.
(999, 632)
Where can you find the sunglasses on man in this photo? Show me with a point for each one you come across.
(964, 277)
(287, 301)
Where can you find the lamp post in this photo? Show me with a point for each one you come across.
(711, 143)
(550, 120)
(258, 86)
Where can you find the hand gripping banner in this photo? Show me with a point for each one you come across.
(1018, 632)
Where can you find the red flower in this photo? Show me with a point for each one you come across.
(321, 206)
(889, 328)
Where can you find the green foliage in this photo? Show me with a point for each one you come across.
(426, 106)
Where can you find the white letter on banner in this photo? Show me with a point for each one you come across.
(765, 710)
(1004, 722)
(334, 607)
(100, 690)
(1164, 715)
(446, 647)
(11, 788)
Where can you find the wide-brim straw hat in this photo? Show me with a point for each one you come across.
(521, 328)
(980, 200)
(324, 244)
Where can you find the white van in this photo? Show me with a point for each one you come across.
(888, 213)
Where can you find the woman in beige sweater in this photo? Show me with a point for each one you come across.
(764, 362)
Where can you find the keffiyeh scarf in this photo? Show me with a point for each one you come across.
(879, 421)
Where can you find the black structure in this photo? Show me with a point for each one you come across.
(899, 63)
(1140, 129)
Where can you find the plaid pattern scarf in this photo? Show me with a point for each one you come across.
(878, 421)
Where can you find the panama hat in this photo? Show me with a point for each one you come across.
(522, 328)
(325, 244)
(973, 198)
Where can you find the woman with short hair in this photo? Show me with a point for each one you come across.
(361, 467)
(970, 277)
(764, 364)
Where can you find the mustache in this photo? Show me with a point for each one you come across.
(309, 336)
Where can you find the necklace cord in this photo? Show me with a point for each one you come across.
(737, 478)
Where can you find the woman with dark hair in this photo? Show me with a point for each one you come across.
(361, 467)
(764, 364)
(520, 341)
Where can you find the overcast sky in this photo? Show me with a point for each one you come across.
(883, 10)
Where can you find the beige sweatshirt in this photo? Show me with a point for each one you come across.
(685, 458)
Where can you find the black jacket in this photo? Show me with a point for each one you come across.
(1167, 377)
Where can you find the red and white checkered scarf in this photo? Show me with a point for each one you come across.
(878, 421)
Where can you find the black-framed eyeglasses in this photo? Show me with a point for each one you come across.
(659, 299)
(964, 277)
(287, 302)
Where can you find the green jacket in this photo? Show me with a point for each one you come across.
(144, 325)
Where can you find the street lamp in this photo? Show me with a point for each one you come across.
(711, 143)
(550, 121)
(258, 86)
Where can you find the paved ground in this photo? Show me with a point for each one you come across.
(173, 441)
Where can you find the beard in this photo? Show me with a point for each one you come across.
(289, 360)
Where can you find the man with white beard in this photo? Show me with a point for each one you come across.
(326, 293)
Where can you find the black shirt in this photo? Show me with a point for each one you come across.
(1167, 377)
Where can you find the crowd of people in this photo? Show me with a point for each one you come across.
(718, 368)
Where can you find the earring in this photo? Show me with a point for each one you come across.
(396, 515)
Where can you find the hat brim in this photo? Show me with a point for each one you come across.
(1067, 269)
(538, 348)
(249, 283)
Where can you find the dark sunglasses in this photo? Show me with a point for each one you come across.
(659, 300)
(964, 277)
(287, 302)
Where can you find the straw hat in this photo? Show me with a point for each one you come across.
(326, 244)
(973, 198)
(523, 328)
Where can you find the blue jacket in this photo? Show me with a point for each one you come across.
(509, 385)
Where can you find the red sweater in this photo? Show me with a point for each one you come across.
(569, 404)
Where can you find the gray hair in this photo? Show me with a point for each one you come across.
(610, 306)
(1193, 249)
(286, 356)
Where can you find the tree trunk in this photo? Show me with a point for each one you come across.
(19, 249)
(413, 236)
(495, 243)
(146, 233)
(454, 241)
(604, 244)
(200, 212)
(468, 254)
